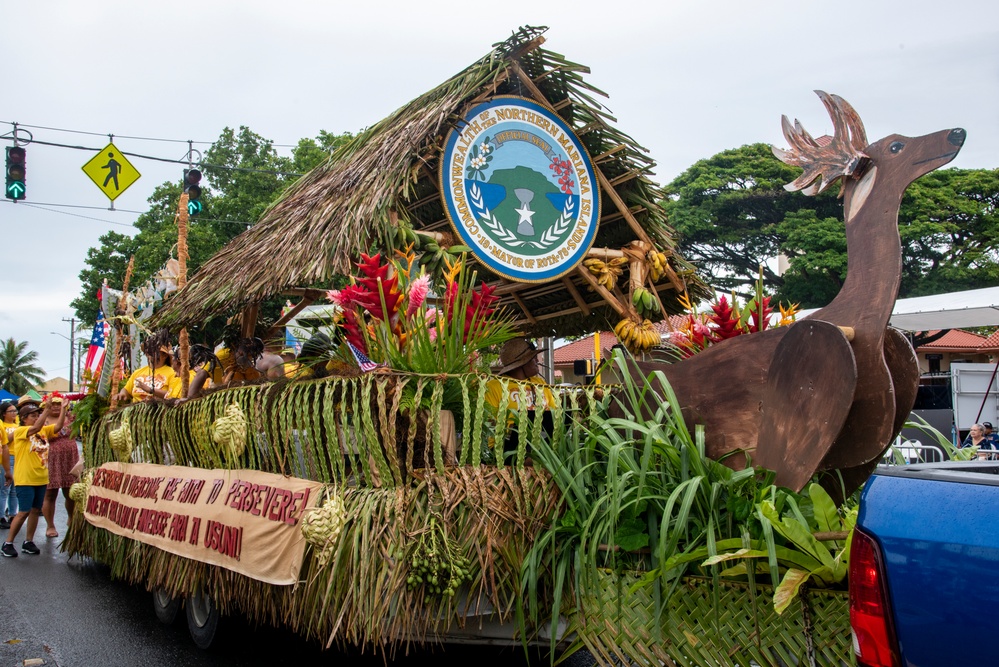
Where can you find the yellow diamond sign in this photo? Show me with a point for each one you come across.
(111, 172)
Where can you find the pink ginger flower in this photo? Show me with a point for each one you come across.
(417, 294)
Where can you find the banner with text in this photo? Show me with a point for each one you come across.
(242, 520)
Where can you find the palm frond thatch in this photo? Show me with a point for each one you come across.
(388, 175)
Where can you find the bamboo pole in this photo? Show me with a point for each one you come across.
(576, 296)
(116, 372)
(183, 218)
(608, 296)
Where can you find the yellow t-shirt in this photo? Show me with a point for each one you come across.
(521, 391)
(226, 361)
(157, 379)
(176, 386)
(32, 455)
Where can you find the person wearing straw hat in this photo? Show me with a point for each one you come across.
(518, 360)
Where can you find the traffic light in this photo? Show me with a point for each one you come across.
(191, 179)
(14, 186)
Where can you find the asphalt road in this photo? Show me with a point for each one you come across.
(70, 613)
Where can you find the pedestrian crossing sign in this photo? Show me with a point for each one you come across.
(111, 171)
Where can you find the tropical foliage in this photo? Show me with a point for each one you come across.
(641, 495)
(18, 370)
(385, 314)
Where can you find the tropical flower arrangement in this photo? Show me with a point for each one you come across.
(393, 315)
(726, 319)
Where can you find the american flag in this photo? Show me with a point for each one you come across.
(98, 345)
(362, 360)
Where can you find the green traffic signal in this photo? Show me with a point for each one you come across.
(14, 184)
(191, 179)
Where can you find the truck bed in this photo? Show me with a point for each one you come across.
(938, 527)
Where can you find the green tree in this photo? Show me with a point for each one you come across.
(733, 214)
(244, 175)
(728, 211)
(18, 371)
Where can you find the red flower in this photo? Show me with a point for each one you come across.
(725, 320)
(760, 315)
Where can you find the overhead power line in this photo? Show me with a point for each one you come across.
(125, 136)
(170, 160)
(41, 206)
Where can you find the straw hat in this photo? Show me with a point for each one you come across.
(24, 400)
(515, 353)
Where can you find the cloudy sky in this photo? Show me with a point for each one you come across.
(685, 79)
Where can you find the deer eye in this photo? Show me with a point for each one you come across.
(896, 146)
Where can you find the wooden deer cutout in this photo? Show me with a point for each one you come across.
(831, 391)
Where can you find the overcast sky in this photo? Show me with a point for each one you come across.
(685, 79)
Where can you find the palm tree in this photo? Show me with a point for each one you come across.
(18, 372)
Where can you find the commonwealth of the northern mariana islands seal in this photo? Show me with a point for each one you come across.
(520, 189)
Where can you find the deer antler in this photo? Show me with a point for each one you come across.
(824, 162)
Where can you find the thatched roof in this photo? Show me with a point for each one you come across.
(389, 175)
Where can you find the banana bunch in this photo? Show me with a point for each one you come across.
(229, 431)
(637, 338)
(121, 440)
(437, 563)
(322, 526)
(405, 236)
(607, 272)
(644, 301)
(657, 264)
(434, 255)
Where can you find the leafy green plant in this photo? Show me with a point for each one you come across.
(641, 494)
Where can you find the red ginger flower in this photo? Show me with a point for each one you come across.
(375, 285)
(353, 330)
(759, 316)
(479, 308)
(725, 319)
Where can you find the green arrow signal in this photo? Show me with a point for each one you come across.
(194, 207)
(16, 189)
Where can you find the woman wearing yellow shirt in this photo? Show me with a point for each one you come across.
(152, 380)
(31, 477)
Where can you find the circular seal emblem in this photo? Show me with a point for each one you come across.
(520, 190)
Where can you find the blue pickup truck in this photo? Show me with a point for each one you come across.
(924, 566)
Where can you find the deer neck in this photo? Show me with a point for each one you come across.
(874, 257)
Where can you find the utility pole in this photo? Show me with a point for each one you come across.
(72, 348)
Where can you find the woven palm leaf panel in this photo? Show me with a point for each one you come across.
(389, 176)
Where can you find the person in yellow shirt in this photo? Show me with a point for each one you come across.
(518, 364)
(30, 447)
(202, 363)
(152, 380)
(238, 362)
(8, 495)
(518, 361)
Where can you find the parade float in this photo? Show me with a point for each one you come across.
(667, 519)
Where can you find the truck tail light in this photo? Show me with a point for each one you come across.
(874, 640)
